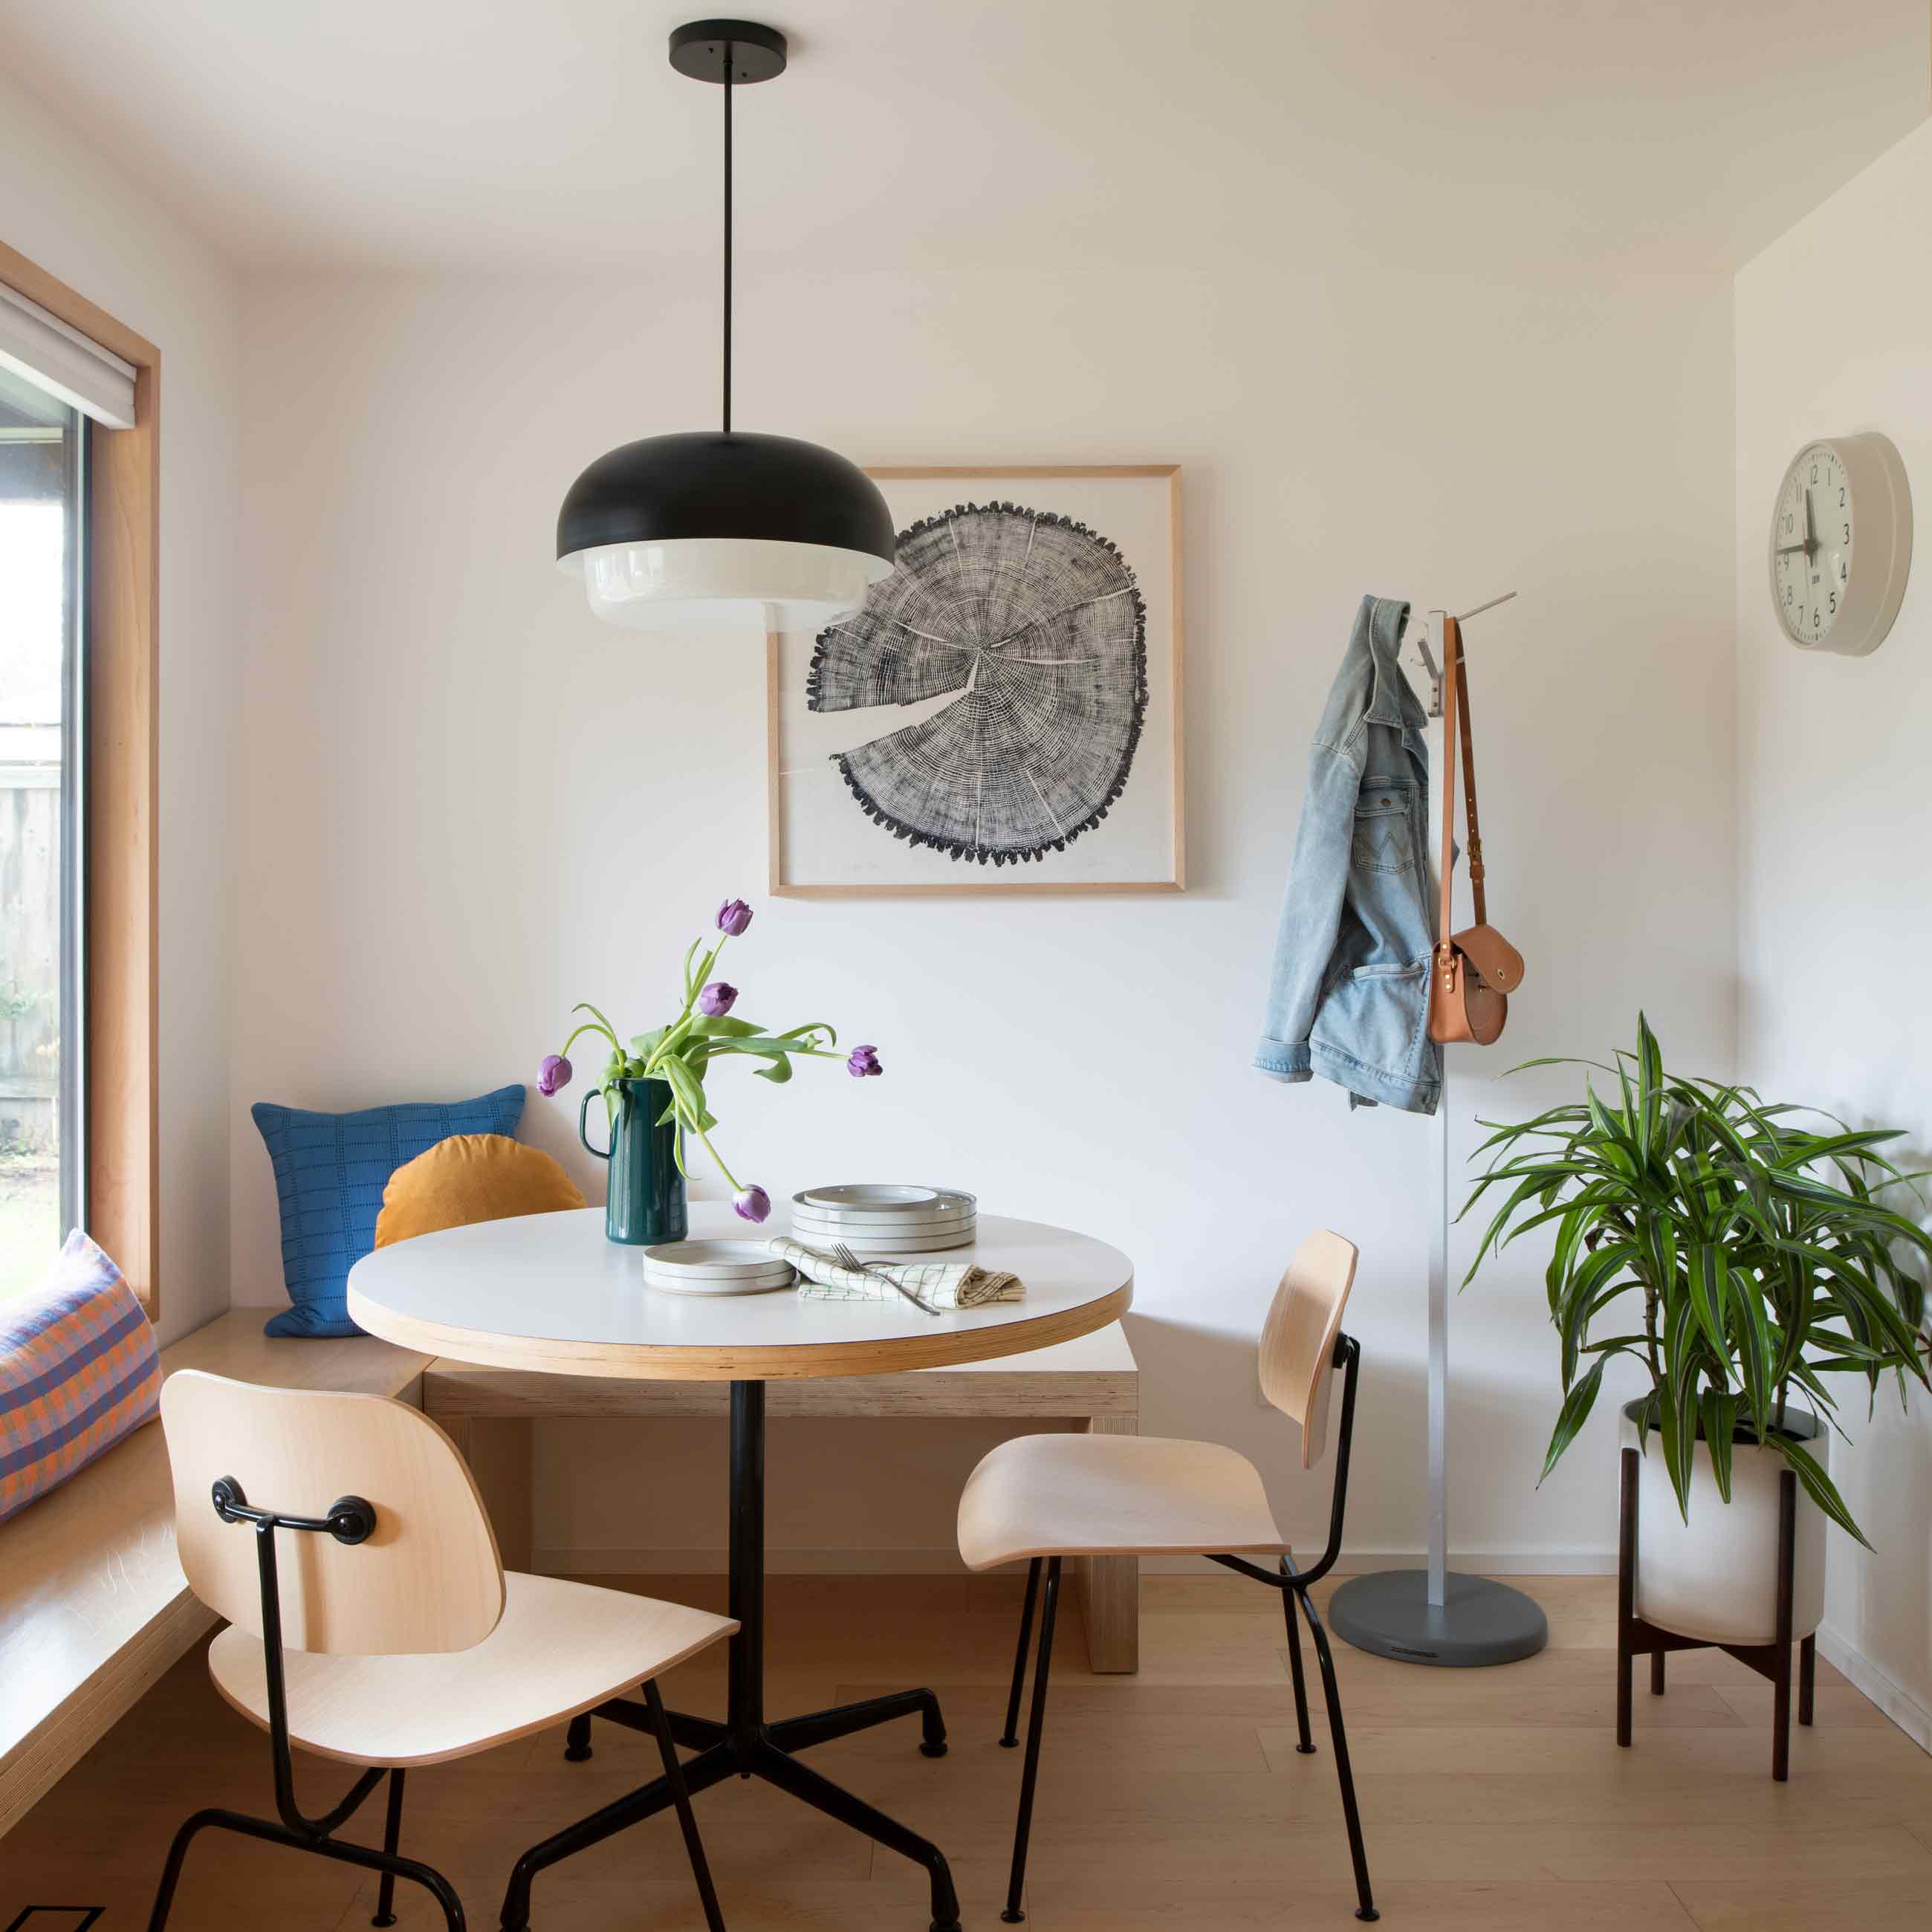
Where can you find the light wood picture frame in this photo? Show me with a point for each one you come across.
(823, 844)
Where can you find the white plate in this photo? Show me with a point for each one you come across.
(772, 1271)
(872, 1251)
(874, 1195)
(713, 1285)
(881, 1197)
(883, 1231)
(916, 1202)
(711, 1258)
(883, 1224)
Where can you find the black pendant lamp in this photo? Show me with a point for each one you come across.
(725, 527)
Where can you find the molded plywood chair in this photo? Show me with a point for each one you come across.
(370, 1620)
(1048, 1497)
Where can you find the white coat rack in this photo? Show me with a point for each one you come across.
(1436, 1616)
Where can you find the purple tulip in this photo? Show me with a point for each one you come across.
(751, 1204)
(862, 1060)
(553, 1074)
(733, 916)
(717, 999)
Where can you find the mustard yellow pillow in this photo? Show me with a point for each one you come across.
(471, 1177)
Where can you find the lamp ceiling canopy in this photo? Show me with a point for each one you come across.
(725, 527)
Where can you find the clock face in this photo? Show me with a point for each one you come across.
(1813, 540)
(1841, 547)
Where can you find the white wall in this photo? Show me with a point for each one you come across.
(465, 805)
(1835, 917)
(98, 230)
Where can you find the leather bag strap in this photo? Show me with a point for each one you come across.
(1455, 727)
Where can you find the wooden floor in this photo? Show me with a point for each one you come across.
(1494, 1799)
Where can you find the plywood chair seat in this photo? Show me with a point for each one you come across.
(561, 1648)
(1047, 1498)
(1114, 1495)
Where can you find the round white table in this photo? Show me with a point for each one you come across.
(548, 1292)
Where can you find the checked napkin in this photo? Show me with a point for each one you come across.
(943, 1284)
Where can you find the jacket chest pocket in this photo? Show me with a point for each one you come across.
(1384, 842)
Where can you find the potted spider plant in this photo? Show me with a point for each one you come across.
(1741, 1253)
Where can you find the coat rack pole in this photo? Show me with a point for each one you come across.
(1438, 1355)
(1438, 1219)
(1434, 1615)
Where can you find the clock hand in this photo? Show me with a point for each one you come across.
(1785, 549)
(1810, 542)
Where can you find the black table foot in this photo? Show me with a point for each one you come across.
(778, 1767)
(707, 1768)
(820, 1727)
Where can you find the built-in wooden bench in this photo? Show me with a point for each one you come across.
(93, 1605)
(1092, 1383)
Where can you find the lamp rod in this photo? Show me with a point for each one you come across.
(728, 65)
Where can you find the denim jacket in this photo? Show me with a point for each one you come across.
(1349, 997)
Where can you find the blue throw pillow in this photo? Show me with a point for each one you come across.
(330, 1172)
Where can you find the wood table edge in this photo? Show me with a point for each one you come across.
(784, 1362)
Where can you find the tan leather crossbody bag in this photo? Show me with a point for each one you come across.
(1476, 969)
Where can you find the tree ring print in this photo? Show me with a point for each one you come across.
(1037, 622)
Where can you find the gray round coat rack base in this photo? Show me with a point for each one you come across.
(1479, 1622)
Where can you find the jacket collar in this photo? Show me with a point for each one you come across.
(1392, 699)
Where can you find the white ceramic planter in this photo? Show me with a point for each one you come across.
(1715, 1578)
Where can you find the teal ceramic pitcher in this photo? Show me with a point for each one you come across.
(646, 1203)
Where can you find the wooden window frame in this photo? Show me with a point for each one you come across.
(122, 770)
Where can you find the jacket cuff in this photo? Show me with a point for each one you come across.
(1279, 1059)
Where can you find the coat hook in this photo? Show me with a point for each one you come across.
(1489, 606)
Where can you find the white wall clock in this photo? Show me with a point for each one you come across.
(1841, 544)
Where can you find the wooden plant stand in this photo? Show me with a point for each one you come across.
(1635, 1637)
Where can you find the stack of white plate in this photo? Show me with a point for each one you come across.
(875, 1221)
(715, 1267)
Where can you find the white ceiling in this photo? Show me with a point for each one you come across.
(988, 135)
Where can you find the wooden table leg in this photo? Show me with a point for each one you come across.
(500, 1450)
(1110, 1586)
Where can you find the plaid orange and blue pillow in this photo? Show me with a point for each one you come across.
(79, 1370)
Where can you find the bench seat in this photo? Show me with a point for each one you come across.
(1091, 1383)
(94, 1607)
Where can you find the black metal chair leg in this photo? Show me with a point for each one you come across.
(1306, 1747)
(577, 1742)
(1339, 1738)
(1035, 1720)
(392, 1832)
(387, 1863)
(1012, 1737)
(164, 1895)
(694, 1846)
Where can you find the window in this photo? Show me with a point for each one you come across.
(80, 498)
(42, 465)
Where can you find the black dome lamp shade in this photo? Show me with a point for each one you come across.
(725, 527)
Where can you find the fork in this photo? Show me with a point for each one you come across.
(846, 1258)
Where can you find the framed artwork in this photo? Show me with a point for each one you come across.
(1004, 715)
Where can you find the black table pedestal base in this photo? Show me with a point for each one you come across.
(745, 1744)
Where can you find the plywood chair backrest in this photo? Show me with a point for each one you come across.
(1298, 1340)
(428, 1580)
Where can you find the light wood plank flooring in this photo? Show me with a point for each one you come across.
(1494, 1799)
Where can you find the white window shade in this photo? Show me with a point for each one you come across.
(64, 362)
